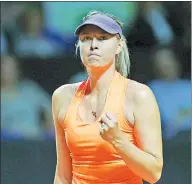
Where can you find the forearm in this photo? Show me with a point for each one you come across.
(141, 163)
(58, 180)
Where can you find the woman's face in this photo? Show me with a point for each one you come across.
(97, 47)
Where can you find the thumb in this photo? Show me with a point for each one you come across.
(110, 116)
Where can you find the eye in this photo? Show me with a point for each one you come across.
(85, 38)
(102, 38)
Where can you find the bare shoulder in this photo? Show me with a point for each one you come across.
(65, 90)
(62, 96)
(139, 92)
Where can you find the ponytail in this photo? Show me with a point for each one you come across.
(122, 64)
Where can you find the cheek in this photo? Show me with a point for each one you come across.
(110, 51)
(83, 51)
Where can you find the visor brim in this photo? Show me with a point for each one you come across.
(105, 27)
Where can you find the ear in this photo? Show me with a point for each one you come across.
(119, 47)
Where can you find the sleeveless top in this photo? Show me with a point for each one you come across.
(95, 161)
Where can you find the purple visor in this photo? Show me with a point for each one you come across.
(104, 22)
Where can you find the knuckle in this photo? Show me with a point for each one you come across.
(112, 125)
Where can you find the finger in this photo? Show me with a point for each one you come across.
(104, 127)
(101, 131)
(105, 120)
(108, 122)
(110, 116)
(113, 120)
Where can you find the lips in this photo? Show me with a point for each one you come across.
(94, 54)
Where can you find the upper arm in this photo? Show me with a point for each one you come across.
(147, 129)
(60, 100)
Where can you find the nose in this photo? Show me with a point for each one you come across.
(94, 44)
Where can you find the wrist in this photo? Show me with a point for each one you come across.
(118, 140)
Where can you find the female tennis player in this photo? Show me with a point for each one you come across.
(108, 127)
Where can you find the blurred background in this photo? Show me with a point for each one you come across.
(38, 55)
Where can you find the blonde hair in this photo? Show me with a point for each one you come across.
(122, 60)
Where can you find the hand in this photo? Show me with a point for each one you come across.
(109, 129)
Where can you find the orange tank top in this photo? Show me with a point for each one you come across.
(94, 161)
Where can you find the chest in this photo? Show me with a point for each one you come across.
(85, 140)
(90, 109)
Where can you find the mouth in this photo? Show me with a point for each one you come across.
(93, 54)
(93, 57)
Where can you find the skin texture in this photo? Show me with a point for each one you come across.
(140, 108)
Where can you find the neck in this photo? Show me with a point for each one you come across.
(100, 78)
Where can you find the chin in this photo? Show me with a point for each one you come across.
(94, 63)
(91, 63)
